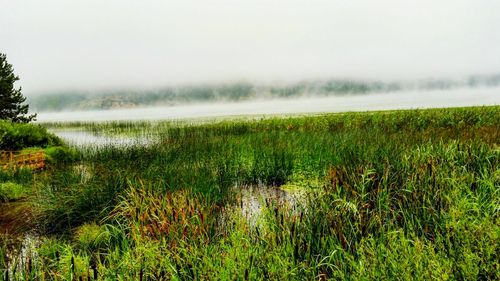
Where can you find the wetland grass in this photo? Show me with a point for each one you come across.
(387, 195)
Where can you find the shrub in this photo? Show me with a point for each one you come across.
(60, 154)
(15, 136)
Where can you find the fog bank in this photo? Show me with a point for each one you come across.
(94, 44)
(385, 101)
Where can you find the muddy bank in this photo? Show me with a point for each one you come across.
(16, 218)
(18, 237)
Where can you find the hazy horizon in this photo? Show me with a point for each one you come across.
(88, 45)
(305, 105)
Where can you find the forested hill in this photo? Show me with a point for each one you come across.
(85, 100)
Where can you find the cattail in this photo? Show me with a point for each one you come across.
(177, 268)
(96, 274)
(296, 251)
(29, 264)
(72, 267)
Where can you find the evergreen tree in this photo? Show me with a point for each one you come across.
(11, 99)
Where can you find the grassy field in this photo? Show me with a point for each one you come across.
(388, 195)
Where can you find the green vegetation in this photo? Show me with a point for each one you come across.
(10, 191)
(60, 154)
(11, 99)
(387, 195)
(15, 136)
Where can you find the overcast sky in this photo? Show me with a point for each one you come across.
(94, 44)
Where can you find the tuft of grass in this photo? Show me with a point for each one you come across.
(10, 191)
(91, 237)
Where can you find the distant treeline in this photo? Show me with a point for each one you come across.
(234, 92)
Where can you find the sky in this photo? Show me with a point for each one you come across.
(117, 44)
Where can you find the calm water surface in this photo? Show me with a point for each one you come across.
(83, 138)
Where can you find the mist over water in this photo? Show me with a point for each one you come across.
(383, 101)
(67, 53)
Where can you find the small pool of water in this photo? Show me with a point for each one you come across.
(81, 138)
(251, 201)
(21, 255)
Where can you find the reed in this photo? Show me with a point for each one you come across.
(385, 195)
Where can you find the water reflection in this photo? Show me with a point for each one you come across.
(83, 138)
(252, 201)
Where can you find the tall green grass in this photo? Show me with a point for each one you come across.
(388, 195)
